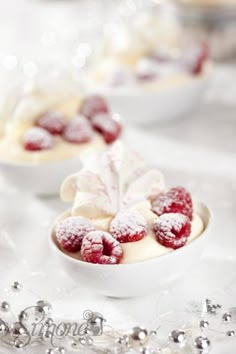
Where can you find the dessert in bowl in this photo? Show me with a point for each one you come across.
(123, 226)
(140, 77)
(44, 133)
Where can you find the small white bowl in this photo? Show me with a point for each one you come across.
(165, 102)
(41, 179)
(136, 279)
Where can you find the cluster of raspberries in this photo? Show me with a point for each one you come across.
(172, 229)
(93, 116)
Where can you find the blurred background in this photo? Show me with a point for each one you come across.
(42, 37)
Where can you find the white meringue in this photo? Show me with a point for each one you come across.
(110, 182)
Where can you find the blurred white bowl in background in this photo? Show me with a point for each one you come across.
(155, 103)
(41, 179)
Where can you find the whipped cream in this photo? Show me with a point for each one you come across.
(110, 182)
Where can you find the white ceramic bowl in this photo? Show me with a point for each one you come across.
(136, 279)
(41, 179)
(161, 104)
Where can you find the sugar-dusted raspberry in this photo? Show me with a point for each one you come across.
(78, 130)
(71, 231)
(100, 247)
(172, 230)
(36, 139)
(107, 126)
(54, 122)
(176, 200)
(128, 226)
(93, 105)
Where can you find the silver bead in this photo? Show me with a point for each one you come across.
(153, 333)
(82, 341)
(49, 322)
(49, 351)
(48, 335)
(60, 350)
(230, 333)
(3, 328)
(204, 324)
(74, 345)
(138, 335)
(203, 344)
(43, 308)
(124, 341)
(23, 316)
(5, 306)
(16, 286)
(226, 318)
(146, 350)
(86, 341)
(177, 336)
(16, 329)
(18, 344)
(95, 323)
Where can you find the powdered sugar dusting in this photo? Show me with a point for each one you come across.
(100, 247)
(71, 231)
(93, 105)
(110, 182)
(52, 121)
(38, 139)
(176, 200)
(172, 229)
(105, 121)
(79, 130)
(128, 226)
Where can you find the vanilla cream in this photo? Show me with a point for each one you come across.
(148, 247)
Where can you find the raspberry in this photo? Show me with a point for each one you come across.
(78, 131)
(36, 139)
(128, 226)
(196, 58)
(176, 200)
(71, 231)
(172, 230)
(146, 70)
(53, 122)
(93, 105)
(101, 247)
(107, 126)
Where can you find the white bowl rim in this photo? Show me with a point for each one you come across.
(128, 265)
(139, 90)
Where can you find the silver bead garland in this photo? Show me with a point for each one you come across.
(139, 339)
